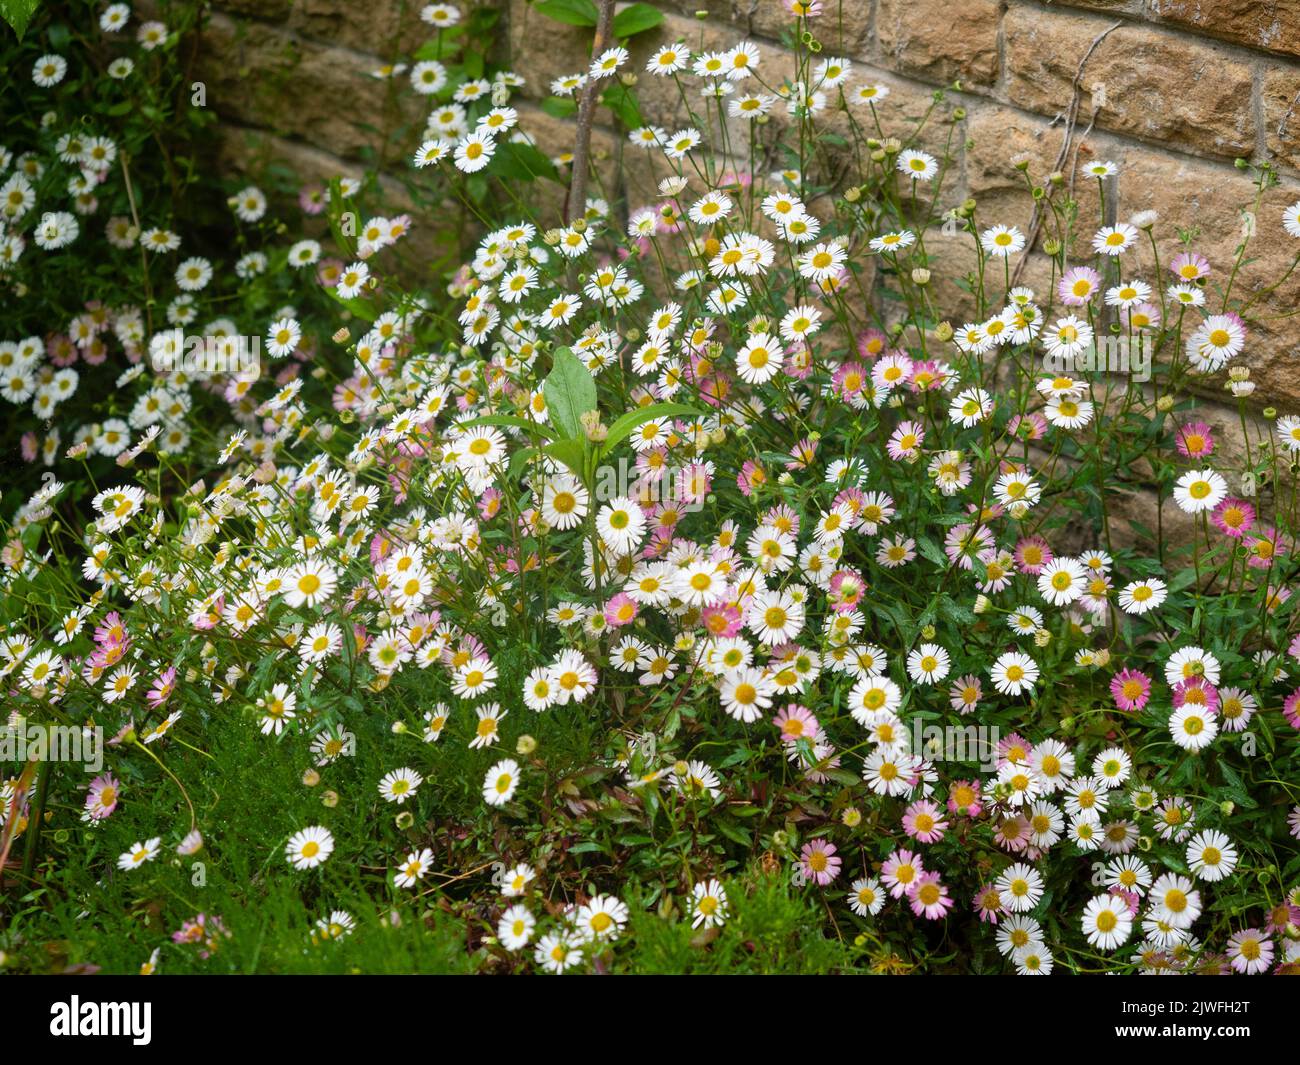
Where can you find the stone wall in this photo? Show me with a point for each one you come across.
(1173, 91)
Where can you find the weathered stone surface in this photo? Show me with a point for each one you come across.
(998, 137)
(302, 72)
(843, 30)
(1273, 25)
(385, 28)
(1123, 7)
(1280, 100)
(1148, 83)
(1211, 201)
(567, 48)
(250, 152)
(940, 40)
(267, 10)
(265, 77)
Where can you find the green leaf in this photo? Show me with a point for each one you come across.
(636, 18)
(932, 551)
(570, 392)
(358, 307)
(570, 12)
(733, 832)
(623, 102)
(507, 421)
(522, 162)
(633, 419)
(571, 452)
(18, 13)
(520, 459)
(559, 107)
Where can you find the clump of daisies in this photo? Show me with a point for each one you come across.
(650, 537)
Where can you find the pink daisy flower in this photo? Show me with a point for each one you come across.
(1028, 426)
(1291, 709)
(797, 723)
(846, 590)
(822, 761)
(620, 610)
(489, 504)
(312, 200)
(1013, 750)
(1264, 547)
(1233, 517)
(965, 543)
(1250, 951)
(929, 897)
(101, 799)
(964, 695)
(817, 861)
(162, 688)
(722, 619)
(111, 630)
(872, 343)
(1283, 917)
(924, 822)
(926, 375)
(1131, 689)
(1032, 554)
(784, 517)
(905, 441)
(1144, 316)
(900, 871)
(849, 382)
(1196, 691)
(803, 454)
(1078, 285)
(988, 905)
(752, 476)
(1195, 440)
(1189, 266)
(964, 798)
(1012, 833)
